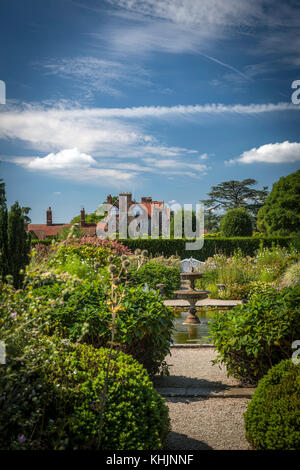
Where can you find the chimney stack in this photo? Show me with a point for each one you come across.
(49, 216)
(129, 198)
(109, 199)
(82, 220)
(146, 199)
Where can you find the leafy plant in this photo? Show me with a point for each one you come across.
(80, 311)
(53, 392)
(281, 213)
(253, 337)
(153, 273)
(292, 275)
(53, 400)
(236, 223)
(272, 419)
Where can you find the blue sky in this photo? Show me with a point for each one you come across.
(162, 98)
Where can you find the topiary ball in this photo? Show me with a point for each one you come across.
(58, 403)
(272, 419)
(236, 223)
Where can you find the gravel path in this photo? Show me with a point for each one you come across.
(204, 422)
(215, 423)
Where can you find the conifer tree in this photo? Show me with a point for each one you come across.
(3, 232)
(18, 244)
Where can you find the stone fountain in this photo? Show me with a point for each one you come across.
(191, 271)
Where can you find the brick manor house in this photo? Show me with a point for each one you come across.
(144, 208)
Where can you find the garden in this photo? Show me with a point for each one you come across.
(86, 330)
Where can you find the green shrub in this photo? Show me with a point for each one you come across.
(153, 273)
(236, 223)
(226, 246)
(253, 337)
(280, 215)
(292, 275)
(80, 311)
(212, 245)
(272, 419)
(52, 398)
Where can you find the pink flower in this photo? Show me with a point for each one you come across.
(21, 439)
(13, 315)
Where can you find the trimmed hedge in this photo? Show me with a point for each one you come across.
(272, 419)
(211, 246)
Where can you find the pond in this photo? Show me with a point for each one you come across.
(192, 333)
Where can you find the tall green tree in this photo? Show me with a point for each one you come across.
(281, 213)
(233, 194)
(3, 232)
(18, 244)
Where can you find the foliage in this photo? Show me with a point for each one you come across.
(68, 231)
(292, 275)
(18, 244)
(52, 391)
(212, 245)
(272, 419)
(83, 261)
(240, 275)
(252, 337)
(114, 246)
(92, 218)
(79, 310)
(153, 273)
(211, 222)
(236, 223)
(53, 400)
(281, 213)
(3, 232)
(234, 194)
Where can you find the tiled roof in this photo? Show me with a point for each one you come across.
(44, 231)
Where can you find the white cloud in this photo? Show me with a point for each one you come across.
(69, 158)
(192, 13)
(108, 131)
(71, 164)
(96, 144)
(281, 152)
(92, 74)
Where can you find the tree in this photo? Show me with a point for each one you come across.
(3, 232)
(236, 223)
(281, 213)
(212, 222)
(234, 194)
(25, 212)
(92, 218)
(18, 243)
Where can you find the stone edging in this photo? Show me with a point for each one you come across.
(187, 346)
(231, 392)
